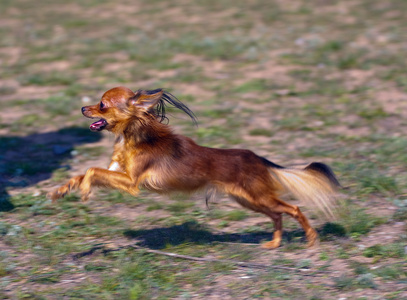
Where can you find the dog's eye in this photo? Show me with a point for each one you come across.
(102, 105)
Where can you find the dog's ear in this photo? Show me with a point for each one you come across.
(146, 99)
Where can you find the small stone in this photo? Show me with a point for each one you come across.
(318, 123)
(361, 247)
(282, 92)
(300, 42)
(86, 99)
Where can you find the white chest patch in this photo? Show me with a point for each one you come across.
(114, 166)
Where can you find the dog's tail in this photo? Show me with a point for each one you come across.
(315, 185)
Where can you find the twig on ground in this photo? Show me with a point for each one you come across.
(242, 264)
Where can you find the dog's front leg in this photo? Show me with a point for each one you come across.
(60, 192)
(97, 177)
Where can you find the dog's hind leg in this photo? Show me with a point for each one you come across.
(278, 230)
(257, 205)
(292, 210)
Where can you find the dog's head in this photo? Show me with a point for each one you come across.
(120, 105)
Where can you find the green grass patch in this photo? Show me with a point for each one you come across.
(236, 215)
(90, 152)
(395, 250)
(373, 114)
(350, 283)
(261, 132)
(331, 230)
(180, 207)
(48, 79)
(358, 222)
(391, 272)
(154, 206)
(400, 214)
(60, 105)
(257, 85)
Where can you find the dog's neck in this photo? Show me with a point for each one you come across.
(137, 134)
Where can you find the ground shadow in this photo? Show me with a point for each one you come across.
(193, 232)
(25, 161)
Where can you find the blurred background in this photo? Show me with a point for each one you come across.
(295, 81)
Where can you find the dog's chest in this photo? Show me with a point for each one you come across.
(115, 166)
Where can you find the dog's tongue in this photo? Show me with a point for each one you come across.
(98, 125)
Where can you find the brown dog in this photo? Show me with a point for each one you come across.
(148, 154)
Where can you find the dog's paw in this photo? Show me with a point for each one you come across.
(271, 245)
(313, 243)
(313, 240)
(55, 195)
(85, 197)
(58, 193)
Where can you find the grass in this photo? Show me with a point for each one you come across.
(261, 132)
(391, 250)
(41, 79)
(357, 222)
(318, 81)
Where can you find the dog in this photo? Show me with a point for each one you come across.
(147, 154)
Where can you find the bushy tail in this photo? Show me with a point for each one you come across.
(315, 185)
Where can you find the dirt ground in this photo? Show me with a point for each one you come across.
(295, 82)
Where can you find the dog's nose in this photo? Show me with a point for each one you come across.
(83, 109)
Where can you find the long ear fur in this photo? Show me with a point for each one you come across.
(157, 101)
(146, 99)
(169, 100)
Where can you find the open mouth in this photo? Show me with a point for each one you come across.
(98, 125)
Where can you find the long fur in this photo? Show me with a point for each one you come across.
(148, 154)
(315, 186)
(169, 100)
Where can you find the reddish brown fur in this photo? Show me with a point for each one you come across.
(148, 154)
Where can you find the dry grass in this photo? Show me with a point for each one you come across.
(295, 82)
